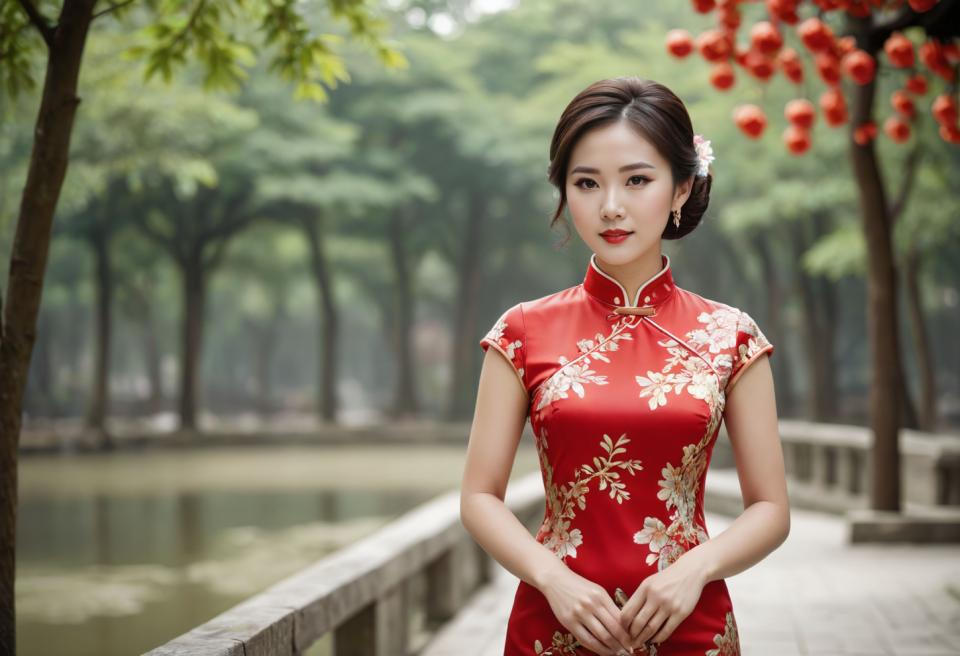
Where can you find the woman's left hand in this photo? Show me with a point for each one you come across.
(662, 601)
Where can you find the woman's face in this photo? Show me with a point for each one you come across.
(637, 199)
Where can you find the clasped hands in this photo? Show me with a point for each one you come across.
(650, 615)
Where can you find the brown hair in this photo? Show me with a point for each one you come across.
(657, 114)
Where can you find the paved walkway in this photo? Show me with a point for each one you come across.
(816, 595)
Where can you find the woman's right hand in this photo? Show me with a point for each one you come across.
(588, 612)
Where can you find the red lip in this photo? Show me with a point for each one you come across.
(616, 233)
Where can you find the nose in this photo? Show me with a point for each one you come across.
(611, 206)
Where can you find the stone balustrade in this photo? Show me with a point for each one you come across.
(365, 594)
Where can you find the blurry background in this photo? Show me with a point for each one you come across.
(221, 236)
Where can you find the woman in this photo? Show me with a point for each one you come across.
(626, 378)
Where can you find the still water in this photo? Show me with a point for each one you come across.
(119, 553)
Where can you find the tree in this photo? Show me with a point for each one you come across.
(208, 30)
(870, 26)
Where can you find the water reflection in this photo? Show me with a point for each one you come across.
(110, 563)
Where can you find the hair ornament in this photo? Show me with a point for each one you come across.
(704, 154)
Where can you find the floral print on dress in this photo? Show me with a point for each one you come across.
(751, 343)
(506, 336)
(564, 500)
(732, 337)
(679, 484)
(573, 375)
(728, 642)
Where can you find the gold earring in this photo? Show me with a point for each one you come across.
(676, 218)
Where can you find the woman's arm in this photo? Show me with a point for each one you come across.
(498, 422)
(751, 418)
(583, 606)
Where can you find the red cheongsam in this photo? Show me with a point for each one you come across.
(626, 397)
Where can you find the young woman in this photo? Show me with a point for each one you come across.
(626, 378)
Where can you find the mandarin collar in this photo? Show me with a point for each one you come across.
(651, 293)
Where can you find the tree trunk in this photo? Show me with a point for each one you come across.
(28, 262)
(775, 301)
(885, 396)
(465, 337)
(928, 419)
(328, 322)
(264, 346)
(151, 356)
(818, 334)
(405, 393)
(99, 404)
(194, 292)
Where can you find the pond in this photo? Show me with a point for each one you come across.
(119, 553)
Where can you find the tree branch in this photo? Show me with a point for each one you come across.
(111, 8)
(39, 21)
(942, 21)
(910, 171)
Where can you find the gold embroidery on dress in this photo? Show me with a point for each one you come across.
(555, 533)
(573, 374)
(728, 642)
(679, 485)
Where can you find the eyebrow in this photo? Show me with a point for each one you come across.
(628, 167)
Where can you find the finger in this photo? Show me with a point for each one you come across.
(633, 605)
(641, 619)
(653, 625)
(588, 640)
(666, 630)
(609, 615)
(604, 636)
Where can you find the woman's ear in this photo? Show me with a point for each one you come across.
(684, 190)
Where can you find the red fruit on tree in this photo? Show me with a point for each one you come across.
(916, 84)
(765, 38)
(952, 52)
(722, 76)
(859, 66)
(730, 17)
(815, 34)
(834, 107)
(828, 67)
(950, 133)
(760, 66)
(679, 43)
(897, 129)
(783, 10)
(800, 112)
(703, 6)
(921, 6)
(944, 109)
(934, 56)
(750, 119)
(845, 45)
(865, 133)
(790, 64)
(797, 139)
(857, 8)
(715, 45)
(902, 102)
(899, 50)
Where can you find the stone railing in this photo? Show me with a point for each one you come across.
(366, 594)
(829, 465)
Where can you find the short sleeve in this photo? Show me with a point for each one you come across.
(507, 336)
(751, 345)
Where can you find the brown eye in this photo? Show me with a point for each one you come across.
(640, 177)
(579, 183)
